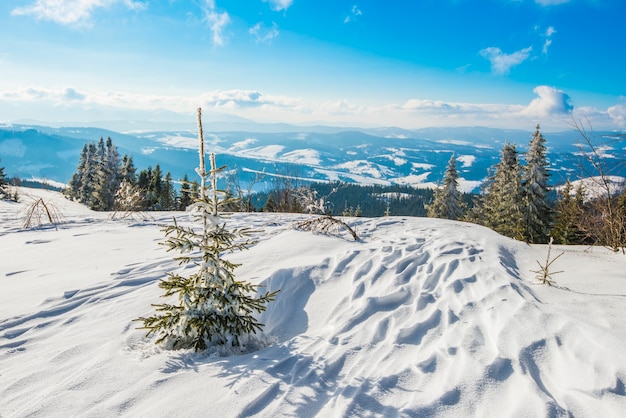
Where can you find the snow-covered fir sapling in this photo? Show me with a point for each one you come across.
(212, 307)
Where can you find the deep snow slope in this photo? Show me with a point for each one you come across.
(420, 317)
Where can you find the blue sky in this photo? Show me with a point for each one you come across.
(410, 63)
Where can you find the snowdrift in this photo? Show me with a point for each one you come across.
(421, 317)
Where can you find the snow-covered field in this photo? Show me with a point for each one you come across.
(421, 317)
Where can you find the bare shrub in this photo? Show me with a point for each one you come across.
(326, 224)
(604, 221)
(129, 202)
(40, 212)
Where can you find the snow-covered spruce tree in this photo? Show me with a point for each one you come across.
(537, 210)
(128, 170)
(108, 176)
(98, 175)
(212, 308)
(500, 206)
(3, 184)
(447, 201)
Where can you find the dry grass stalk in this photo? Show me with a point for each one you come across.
(544, 275)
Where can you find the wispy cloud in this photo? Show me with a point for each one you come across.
(263, 34)
(355, 12)
(279, 5)
(71, 12)
(217, 21)
(239, 99)
(38, 93)
(549, 101)
(551, 2)
(548, 39)
(501, 63)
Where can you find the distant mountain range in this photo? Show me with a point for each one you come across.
(316, 153)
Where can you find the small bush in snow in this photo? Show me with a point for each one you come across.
(40, 212)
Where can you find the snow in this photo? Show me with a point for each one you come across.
(420, 317)
(466, 160)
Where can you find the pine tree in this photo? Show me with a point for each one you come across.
(128, 170)
(569, 210)
(500, 206)
(108, 176)
(144, 178)
(447, 202)
(98, 176)
(185, 194)
(3, 183)
(167, 199)
(537, 210)
(89, 177)
(212, 308)
(155, 189)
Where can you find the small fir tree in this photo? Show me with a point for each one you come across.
(212, 307)
(537, 210)
(447, 202)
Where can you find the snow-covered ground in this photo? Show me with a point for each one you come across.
(421, 317)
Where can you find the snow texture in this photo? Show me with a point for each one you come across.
(420, 317)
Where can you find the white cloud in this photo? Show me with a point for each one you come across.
(71, 94)
(551, 107)
(450, 109)
(263, 34)
(548, 35)
(502, 63)
(219, 99)
(617, 113)
(242, 99)
(551, 2)
(550, 101)
(340, 107)
(279, 5)
(71, 12)
(38, 93)
(355, 12)
(217, 21)
(546, 45)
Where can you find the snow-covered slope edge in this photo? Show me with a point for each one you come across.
(421, 317)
